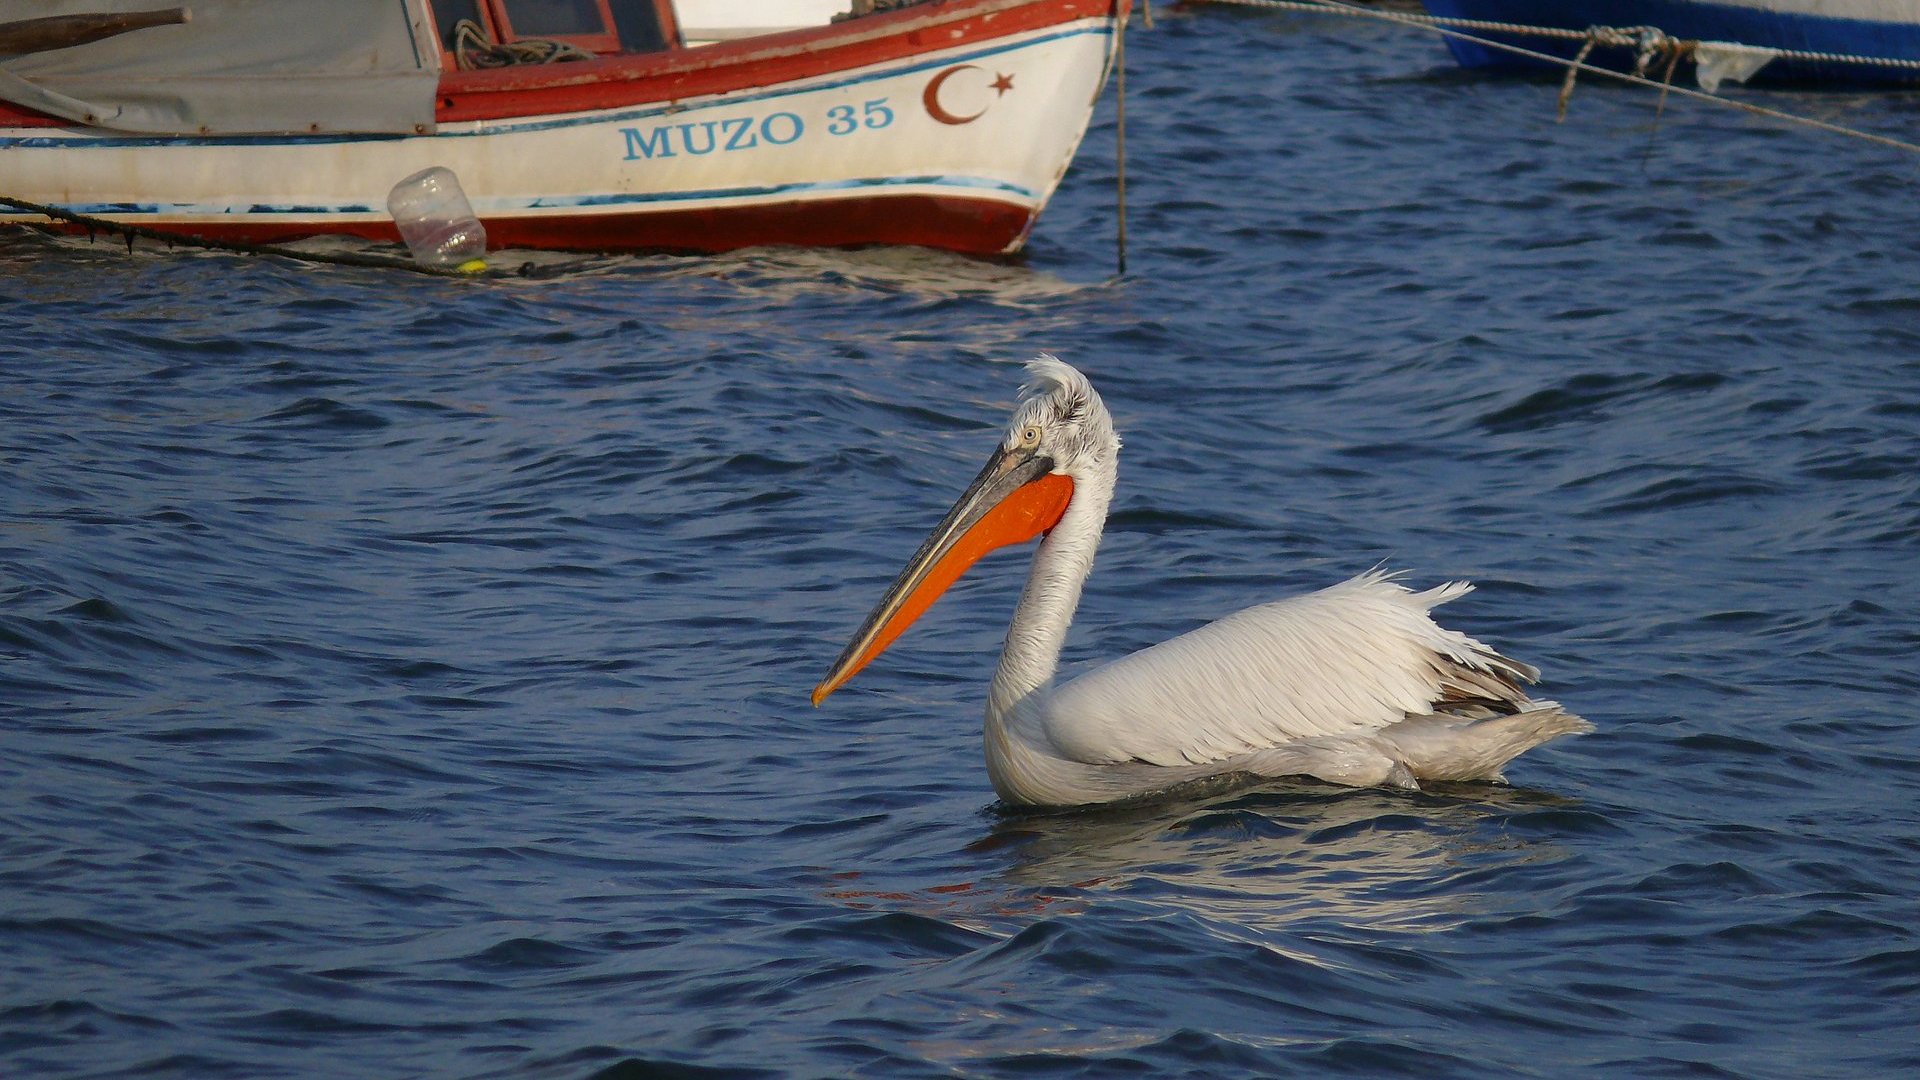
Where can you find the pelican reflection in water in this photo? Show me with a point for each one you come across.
(1354, 684)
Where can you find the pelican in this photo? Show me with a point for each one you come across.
(1353, 685)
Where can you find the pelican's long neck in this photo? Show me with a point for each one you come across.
(1060, 567)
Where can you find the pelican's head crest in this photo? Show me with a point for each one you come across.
(1062, 414)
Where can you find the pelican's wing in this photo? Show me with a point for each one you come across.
(1349, 659)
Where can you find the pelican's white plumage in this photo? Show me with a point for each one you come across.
(1352, 658)
(1354, 684)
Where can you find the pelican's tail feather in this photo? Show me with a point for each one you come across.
(1445, 747)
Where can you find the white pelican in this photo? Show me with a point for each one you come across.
(1354, 684)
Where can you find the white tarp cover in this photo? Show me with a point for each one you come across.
(238, 67)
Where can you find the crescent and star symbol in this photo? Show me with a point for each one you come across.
(931, 98)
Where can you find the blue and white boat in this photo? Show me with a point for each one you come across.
(1887, 29)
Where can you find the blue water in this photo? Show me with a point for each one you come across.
(408, 678)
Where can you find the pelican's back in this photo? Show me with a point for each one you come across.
(1351, 659)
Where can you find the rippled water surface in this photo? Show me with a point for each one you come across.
(404, 678)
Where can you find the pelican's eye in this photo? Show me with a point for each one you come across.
(1030, 435)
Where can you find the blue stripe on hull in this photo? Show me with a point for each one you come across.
(958, 185)
(1703, 21)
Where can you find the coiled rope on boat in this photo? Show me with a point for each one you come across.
(473, 50)
(1438, 25)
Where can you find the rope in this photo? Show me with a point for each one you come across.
(1428, 23)
(472, 50)
(1648, 43)
(344, 258)
(1340, 7)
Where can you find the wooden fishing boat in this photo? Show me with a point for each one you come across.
(947, 123)
(1886, 29)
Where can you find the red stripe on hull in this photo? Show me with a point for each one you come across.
(972, 226)
(969, 226)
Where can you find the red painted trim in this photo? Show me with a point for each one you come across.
(18, 116)
(970, 226)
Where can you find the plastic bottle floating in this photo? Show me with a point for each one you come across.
(437, 222)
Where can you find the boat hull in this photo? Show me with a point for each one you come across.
(1882, 28)
(957, 147)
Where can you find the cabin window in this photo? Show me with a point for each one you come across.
(586, 23)
(557, 18)
(645, 26)
(598, 26)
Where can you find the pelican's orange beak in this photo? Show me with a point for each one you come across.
(1014, 499)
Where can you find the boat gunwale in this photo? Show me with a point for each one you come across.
(747, 63)
(683, 72)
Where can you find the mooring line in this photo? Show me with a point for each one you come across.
(1341, 7)
(1426, 23)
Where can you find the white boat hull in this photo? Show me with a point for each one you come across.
(964, 146)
